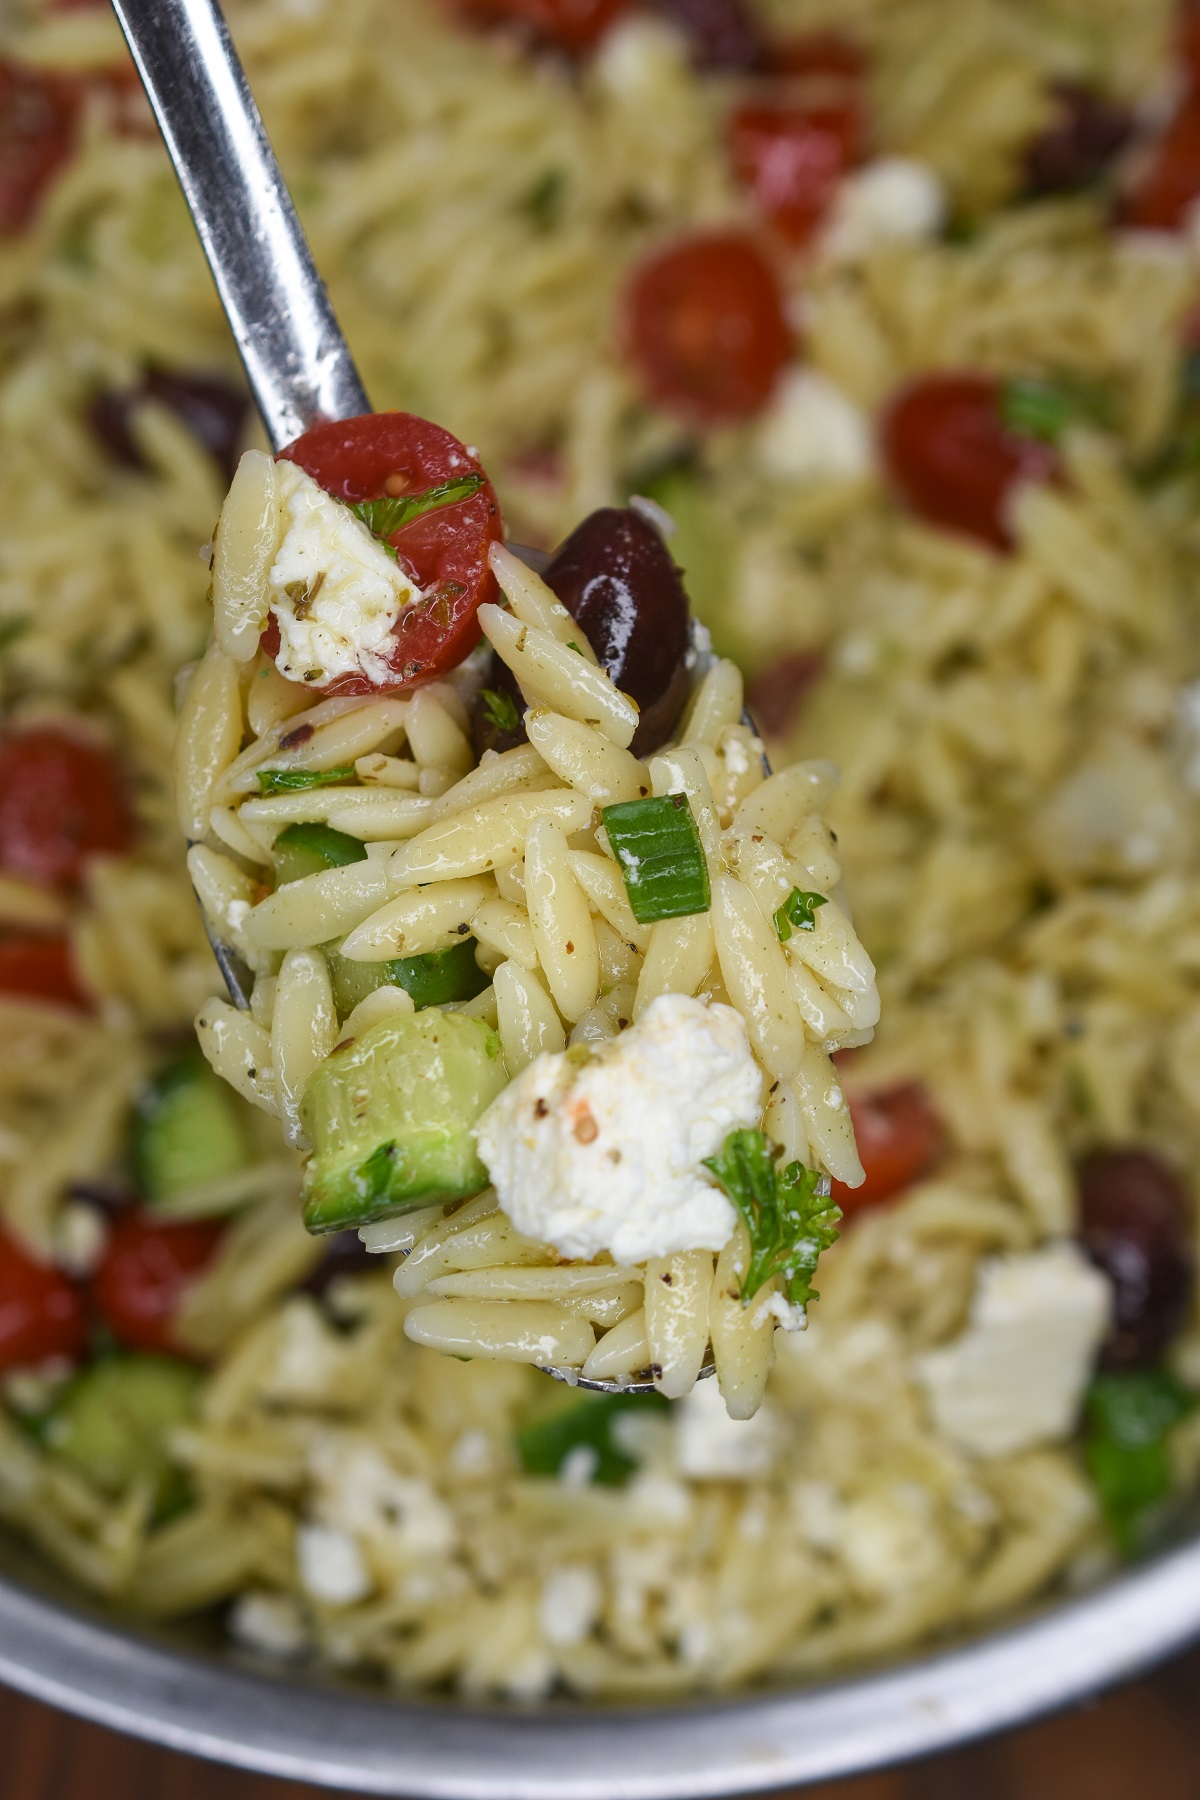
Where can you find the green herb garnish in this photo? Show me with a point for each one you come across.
(543, 200)
(1128, 1420)
(383, 518)
(298, 781)
(797, 913)
(434, 979)
(500, 708)
(788, 1221)
(1040, 407)
(585, 1424)
(657, 844)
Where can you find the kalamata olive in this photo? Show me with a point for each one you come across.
(615, 575)
(1135, 1224)
(723, 33)
(775, 695)
(213, 410)
(1079, 143)
(344, 1254)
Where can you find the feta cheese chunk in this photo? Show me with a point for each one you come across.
(894, 199)
(1016, 1375)
(335, 592)
(604, 1152)
(331, 1566)
(813, 431)
(710, 1446)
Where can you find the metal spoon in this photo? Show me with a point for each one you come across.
(297, 362)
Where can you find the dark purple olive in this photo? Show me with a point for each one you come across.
(1135, 1224)
(1079, 143)
(213, 410)
(723, 33)
(344, 1254)
(615, 576)
(775, 695)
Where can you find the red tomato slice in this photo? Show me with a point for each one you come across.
(1170, 182)
(41, 1312)
(573, 25)
(40, 966)
(705, 328)
(898, 1135)
(954, 460)
(824, 53)
(445, 551)
(146, 1267)
(62, 800)
(792, 158)
(38, 119)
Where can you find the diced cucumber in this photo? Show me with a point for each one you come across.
(432, 980)
(585, 1423)
(111, 1422)
(187, 1130)
(389, 1116)
(306, 849)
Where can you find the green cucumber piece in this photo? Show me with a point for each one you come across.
(307, 849)
(433, 979)
(390, 1116)
(583, 1423)
(110, 1423)
(187, 1131)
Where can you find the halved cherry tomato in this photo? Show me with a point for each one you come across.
(953, 458)
(147, 1266)
(39, 114)
(705, 327)
(793, 157)
(61, 801)
(444, 551)
(1170, 182)
(41, 1312)
(39, 965)
(898, 1136)
(824, 53)
(573, 25)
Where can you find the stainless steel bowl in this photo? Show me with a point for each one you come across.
(190, 1693)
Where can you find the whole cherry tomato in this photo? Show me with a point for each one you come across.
(38, 119)
(38, 965)
(705, 328)
(41, 1313)
(444, 551)
(61, 801)
(898, 1136)
(953, 458)
(147, 1266)
(573, 25)
(792, 158)
(1170, 182)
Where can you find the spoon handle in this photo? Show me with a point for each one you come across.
(298, 363)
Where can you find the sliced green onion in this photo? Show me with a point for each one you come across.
(1037, 407)
(306, 849)
(501, 709)
(584, 1425)
(796, 913)
(658, 847)
(383, 518)
(298, 781)
(434, 979)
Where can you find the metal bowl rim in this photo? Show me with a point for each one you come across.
(745, 1744)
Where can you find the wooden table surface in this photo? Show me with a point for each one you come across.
(1139, 1743)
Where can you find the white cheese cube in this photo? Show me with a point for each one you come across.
(1016, 1376)
(813, 431)
(894, 199)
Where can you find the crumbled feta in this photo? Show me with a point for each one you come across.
(331, 1565)
(602, 1150)
(894, 199)
(363, 1493)
(710, 1446)
(578, 1466)
(813, 431)
(335, 592)
(1016, 1375)
(637, 59)
(888, 1542)
(570, 1603)
(80, 1237)
(272, 1623)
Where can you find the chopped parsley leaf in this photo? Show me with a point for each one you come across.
(298, 781)
(384, 517)
(789, 1222)
(797, 913)
(1125, 1446)
(501, 709)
